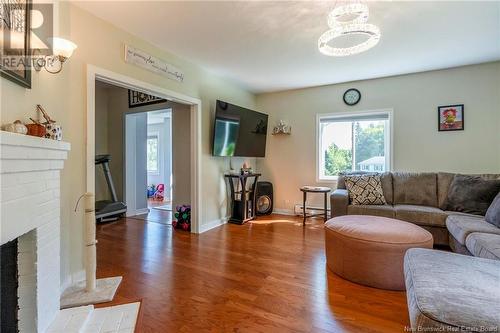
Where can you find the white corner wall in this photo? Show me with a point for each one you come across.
(418, 146)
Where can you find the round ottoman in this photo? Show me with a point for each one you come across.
(370, 250)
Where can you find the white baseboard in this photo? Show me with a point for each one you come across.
(284, 211)
(298, 210)
(213, 224)
(310, 210)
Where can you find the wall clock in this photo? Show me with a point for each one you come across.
(352, 96)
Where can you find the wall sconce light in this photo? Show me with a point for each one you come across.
(62, 51)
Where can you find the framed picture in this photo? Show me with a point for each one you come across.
(451, 118)
(15, 52)
(136, 99)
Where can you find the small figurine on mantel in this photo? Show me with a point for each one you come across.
(53, 130)
(246, 168)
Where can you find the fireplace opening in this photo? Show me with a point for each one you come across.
(8, 287)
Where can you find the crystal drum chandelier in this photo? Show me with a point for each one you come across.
(348, 20)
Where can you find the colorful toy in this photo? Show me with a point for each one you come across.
(159, 193)
(183, 216)
(151, 190)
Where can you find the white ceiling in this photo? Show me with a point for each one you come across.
(269, 46)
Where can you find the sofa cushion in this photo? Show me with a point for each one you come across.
(415, 188)
(471, 194)
(381, 210)
(365, 190)
(342, 175)
(385, 178)
(421, 215)
(461, 226)
(447, 289)
(444, 180)
(493, 212)
(484, 245)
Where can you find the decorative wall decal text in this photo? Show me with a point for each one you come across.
(153, 64)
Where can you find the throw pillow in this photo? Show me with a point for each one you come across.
(471, 194)
(493, 212)
(365, 190)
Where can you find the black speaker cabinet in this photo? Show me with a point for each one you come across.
(264, 198)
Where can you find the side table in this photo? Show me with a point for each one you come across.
(314, 189)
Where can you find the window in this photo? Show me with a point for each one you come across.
(353, 142)
(152, 153)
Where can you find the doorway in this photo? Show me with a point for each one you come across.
(159, 159)
(192, 106)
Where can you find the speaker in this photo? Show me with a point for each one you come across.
(264, 198)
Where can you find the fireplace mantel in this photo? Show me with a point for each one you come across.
(30, 210)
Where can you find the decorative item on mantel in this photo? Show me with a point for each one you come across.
(53, 130)
(183, 218)
(282, 128)
(36, 129)
(16, 127)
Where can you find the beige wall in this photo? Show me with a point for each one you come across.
(64, 96)
(291, 160)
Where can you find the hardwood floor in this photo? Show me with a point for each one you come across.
(265, 276)
(155, 215)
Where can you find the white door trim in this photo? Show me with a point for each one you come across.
(93, 73)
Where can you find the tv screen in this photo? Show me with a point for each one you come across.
(239, 131)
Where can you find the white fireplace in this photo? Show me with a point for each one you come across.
(30, 212)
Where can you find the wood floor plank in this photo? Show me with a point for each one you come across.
(265, 276)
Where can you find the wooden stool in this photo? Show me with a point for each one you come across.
(314, 189)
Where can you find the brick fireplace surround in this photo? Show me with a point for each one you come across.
(30, 212)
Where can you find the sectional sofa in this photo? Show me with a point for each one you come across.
(420, 198)
(446, 292)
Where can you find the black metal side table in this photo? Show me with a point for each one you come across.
(314, 189)
(242, 196)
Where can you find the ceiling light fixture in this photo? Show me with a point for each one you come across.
(348, 20)
(350, 13)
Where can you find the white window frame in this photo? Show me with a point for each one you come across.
(388, 140)
(157, 135)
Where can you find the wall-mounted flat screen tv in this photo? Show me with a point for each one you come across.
(239, 131)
